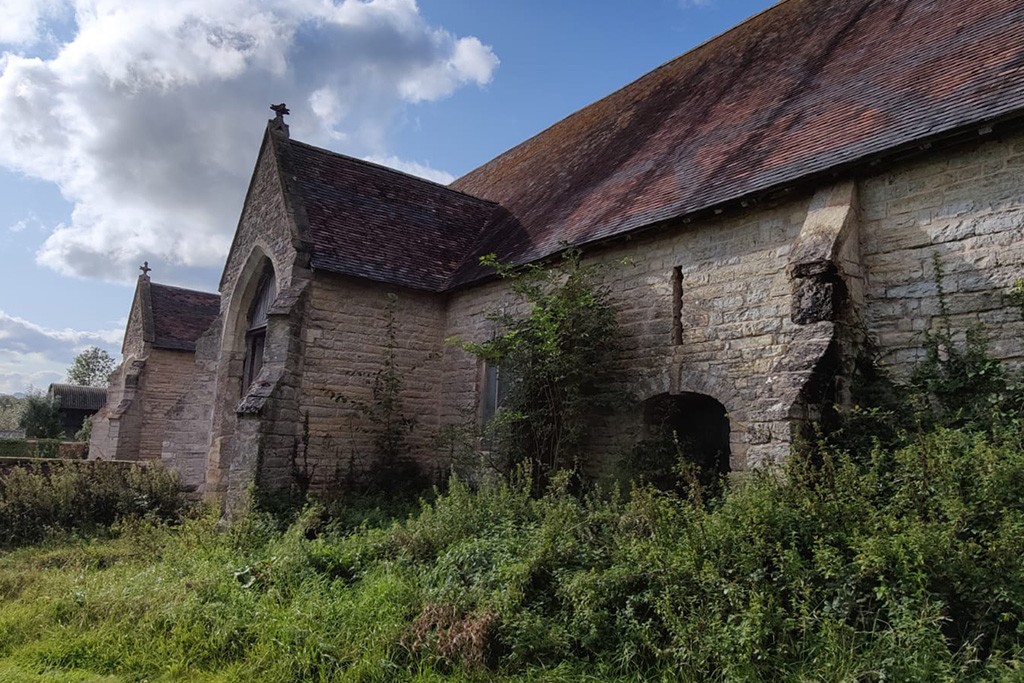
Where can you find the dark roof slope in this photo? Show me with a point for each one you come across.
(803, 87)
(74, 397)
(374, 222)
(180, 316)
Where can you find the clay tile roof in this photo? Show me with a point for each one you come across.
(374, 222)
(74, 397)
(180, 316)
(802, 88)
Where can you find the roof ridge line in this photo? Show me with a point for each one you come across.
(184, 289)
(389, 169)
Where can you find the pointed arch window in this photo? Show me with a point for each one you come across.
(256, 328)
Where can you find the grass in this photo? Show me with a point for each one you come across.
(898, 565)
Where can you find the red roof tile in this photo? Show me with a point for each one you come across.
(374, 222)
(802, 88)
(181, 316)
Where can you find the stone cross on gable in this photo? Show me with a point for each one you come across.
(277, 123)
(145, 269)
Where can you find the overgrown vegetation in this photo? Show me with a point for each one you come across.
(35, 448)
(903, 566)
(37, 501)
(551, 349)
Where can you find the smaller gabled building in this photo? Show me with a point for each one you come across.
(158, 363)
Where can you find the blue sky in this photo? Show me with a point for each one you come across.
(131, 128)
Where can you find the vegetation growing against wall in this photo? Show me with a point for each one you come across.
(553, 350)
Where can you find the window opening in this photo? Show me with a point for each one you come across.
(256, 329)
(495, 388)
(698, 423)
(677, 305)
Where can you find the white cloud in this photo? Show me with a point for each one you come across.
(32, 355)
(413, 168)
(149, 117)
(29, 222)
(20, 19)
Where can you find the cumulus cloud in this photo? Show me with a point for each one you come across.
(20, 19)
(32, 355)
(148, 117)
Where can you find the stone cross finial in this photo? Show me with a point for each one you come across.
(145, 269)
(277, 123)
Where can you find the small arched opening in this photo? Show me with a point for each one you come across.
(696, 425)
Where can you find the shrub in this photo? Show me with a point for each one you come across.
(39, 499)
(15, 448)
(555, 356)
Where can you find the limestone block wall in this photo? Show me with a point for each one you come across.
(268, 231)
(345, 343)
(115, 432)
(163, 382)
(186, 438)
(104, 439)
(967, 206)
(735, 328)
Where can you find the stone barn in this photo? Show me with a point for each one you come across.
(781, 190)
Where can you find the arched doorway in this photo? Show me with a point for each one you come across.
(690, 427)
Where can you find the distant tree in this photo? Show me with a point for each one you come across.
(40, 419)
(91, 368)
(11, 408)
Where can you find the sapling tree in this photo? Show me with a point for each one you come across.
(554, 353)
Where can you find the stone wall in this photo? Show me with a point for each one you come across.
(116, 427)
(967, 206)
(346, 340)
(163, 382)
(768, 293)
(734, 316)
(186, 444)
(228, 448)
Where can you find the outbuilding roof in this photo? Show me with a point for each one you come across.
(75, 397)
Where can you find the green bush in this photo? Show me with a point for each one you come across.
(15, 448)
(45, 448)
(37, 500)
